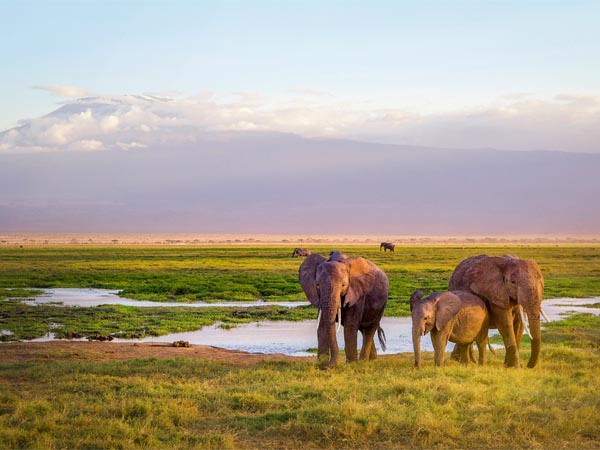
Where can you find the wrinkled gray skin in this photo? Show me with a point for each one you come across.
(387, 246)
(360, 289)
(300, 252)
(456, 316)
(506, 283)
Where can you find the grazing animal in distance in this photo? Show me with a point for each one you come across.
(300, 252)
(387, 246)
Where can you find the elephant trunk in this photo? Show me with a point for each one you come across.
(416, 338)
(535, 328)
(328, 332)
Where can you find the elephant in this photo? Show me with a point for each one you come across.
(353, 291)
(387, 246)
(455, 316)
(300, 252)
(506, 284)
(336, 255)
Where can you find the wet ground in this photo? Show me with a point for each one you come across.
(270, 337)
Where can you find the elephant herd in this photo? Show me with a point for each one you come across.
(503, 292)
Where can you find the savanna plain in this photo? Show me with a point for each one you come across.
(104, 395)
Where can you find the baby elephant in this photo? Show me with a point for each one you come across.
(455, 316)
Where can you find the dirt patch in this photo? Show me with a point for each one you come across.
(16, 352)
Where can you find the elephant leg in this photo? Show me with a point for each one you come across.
(456, 353)
(481, 344)
(373, 354)
(323, 345)
(439, 341)
(368, 343)
(350, 339)
(462, 353)
(504, 322)
(517, 326)
(467, 354)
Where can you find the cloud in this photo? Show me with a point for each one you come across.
(64, 91)
(521, 121)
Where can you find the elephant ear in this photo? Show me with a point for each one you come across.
(414, 298)
(360, 278)
(307, 275)
(447, 306)
(486, 279)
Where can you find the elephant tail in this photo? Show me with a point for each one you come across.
(381, 337)
(492, 350)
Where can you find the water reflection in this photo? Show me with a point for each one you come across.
(289, 338)
(97, 297)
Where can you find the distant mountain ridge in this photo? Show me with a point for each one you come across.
(279, 183)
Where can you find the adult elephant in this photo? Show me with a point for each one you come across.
(387, 246)
(353, 290)
(506, 283)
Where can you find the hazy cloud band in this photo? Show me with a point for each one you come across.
(516, 122)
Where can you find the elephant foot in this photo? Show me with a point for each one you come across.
(456, 353)
(512, 358)
(327, 366)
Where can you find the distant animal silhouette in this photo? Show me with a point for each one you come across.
(387, 246)
(301, 252)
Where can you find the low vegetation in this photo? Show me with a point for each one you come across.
(22, 321)
(201, 404)
(78, 403)
(208, 274)
(193, 273)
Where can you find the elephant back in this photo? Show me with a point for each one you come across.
(459, 280)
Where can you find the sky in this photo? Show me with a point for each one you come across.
(458, 73)
(229, 116)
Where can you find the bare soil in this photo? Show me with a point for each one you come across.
(17, 352)
(255, 240)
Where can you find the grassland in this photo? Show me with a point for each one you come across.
(54, 401)
(185, 403)
(188, 273)
(200, 273)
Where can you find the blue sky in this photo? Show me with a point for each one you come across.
(428, 57)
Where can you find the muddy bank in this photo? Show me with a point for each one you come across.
(18, 352)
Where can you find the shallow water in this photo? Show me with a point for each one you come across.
(289, 338)
(96, 297)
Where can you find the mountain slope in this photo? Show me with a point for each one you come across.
(277, 183)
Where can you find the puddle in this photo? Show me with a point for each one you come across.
(289, 338)
(559, 308)
(97, 297)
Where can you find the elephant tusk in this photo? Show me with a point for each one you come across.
(524, 319)
(544, 315)
(339, 325)
(318, 319)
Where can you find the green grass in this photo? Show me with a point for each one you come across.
(192, 273)
(180, 403)
(197, 404)
(29, 322)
